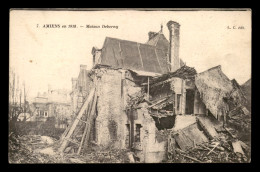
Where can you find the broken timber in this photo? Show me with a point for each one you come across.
(84, 107)
(90, 118)
(158, 102)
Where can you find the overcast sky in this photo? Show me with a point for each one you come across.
(43, 56)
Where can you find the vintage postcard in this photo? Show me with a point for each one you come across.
(130, 86)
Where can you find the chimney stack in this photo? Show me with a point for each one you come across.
(74, 83)
(96, 55)
(152, 34)
(174, 30)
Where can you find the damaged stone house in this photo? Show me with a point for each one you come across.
(147, 97)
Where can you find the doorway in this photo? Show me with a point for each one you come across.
(189, 109)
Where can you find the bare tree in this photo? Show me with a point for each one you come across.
(15, 98)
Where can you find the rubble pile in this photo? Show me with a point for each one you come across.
(240, 118)
(135, 99)
(183, 72)
(29, 149)
(109, 156)
(22, 150)
(223, 149)
(100, 154)
(96, 154)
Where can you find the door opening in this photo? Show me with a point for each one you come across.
(189, 109)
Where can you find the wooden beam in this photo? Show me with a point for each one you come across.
(213, 148)
(82, 121)
(208, 149)
(148, 89)
(65, 132)
(162, 82)
(67, 129)
(76, 121)
(92, 115)
(158, 102)
(194, 159)
(86, 133)
(77, 143)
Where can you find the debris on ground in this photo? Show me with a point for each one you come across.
(240, 120)
(218, 150)
(33, 149)
(48, 139)
(22, 150)
(48, 151)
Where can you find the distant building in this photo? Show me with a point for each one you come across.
(80, 89)
(40, 109)
(53, 104)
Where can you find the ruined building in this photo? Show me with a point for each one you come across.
(146, 97)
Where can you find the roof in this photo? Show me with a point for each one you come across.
(82, 78)
(151, 56)
(247, 83)
(246, 88)
(214, 77)
(235, 83)
(160, 41)
(132, 55)
(153, 38)
(213, 86)
(238, 88)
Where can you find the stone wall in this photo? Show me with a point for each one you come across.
(111, 118)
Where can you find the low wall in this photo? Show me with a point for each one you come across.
(37, 128)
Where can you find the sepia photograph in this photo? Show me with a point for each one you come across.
(95, 86)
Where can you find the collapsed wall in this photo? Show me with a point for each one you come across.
(222, 97)
(213, 86)
(149, 143)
